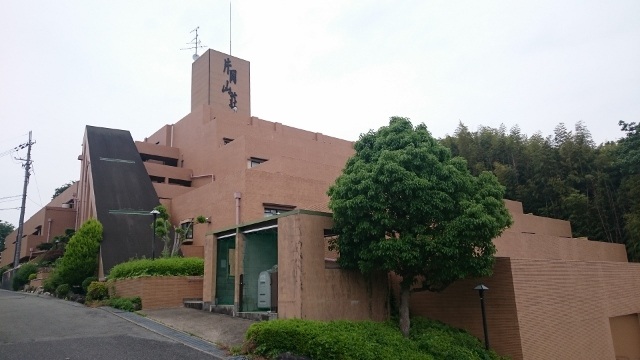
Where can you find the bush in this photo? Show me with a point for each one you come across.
(80, 259)
(127, 304)
(446, 342)
(86, 282)
(174, 266)
(5, 268)
(44, 246)
(331, 340)
(51, 256)
(33, 276)
(97, 291)
(63, 290)
(52, 282)
(22, 275)
(363, 340)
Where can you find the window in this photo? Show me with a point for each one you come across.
(157, 179)
(275, 209)
(187, 226)
(225, 141)
(255, 162)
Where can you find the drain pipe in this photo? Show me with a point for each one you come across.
(237, 196)
(49, 229)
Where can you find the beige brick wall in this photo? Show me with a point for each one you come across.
(159, 292)
(542, 309)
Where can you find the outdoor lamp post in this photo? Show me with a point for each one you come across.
(155, 213)
(481, 289)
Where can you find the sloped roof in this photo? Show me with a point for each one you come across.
(121, 184)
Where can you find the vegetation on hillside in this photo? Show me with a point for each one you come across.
(564, 176)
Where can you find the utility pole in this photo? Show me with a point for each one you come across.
(27, 173)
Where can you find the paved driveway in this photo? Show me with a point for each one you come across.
(41, 327)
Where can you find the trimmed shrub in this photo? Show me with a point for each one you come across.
(86, 282)
(363, 340)
(63, 290)
(22, 275)
(331, 340)
(80, 259)
(97, 291)
(127, 304)
(446, 342)
(174, 266)
(33, 276)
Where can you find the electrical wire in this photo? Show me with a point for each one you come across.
(33, 169)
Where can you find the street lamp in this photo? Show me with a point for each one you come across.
(155, 213)
(481, 289)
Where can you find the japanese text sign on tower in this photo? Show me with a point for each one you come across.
(233, 101)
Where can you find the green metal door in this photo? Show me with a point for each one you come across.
(225, 273)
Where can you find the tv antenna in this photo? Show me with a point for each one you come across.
(195, 44)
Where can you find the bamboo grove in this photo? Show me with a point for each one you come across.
(564, 176)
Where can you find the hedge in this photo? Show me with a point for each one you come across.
(363, 340)
(175, 266)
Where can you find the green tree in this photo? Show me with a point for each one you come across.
(163, 230)
(80, 259)
(404, 204)
(61, 189)
(5, 229)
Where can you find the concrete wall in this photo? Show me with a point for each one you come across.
(158, 292)
(307, 289)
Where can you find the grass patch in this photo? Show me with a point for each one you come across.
(363, 340)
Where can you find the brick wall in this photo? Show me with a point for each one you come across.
(543, 309)
(159, 292)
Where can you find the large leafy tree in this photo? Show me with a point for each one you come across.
(404, 204)
(5, 229)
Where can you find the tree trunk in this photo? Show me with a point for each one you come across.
(405, 322)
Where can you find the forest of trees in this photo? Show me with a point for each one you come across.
(564, 176)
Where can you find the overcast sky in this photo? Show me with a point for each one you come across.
(335, 67)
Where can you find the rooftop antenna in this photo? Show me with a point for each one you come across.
(195, 44)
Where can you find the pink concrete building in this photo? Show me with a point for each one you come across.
(262, 187)
(50, 221)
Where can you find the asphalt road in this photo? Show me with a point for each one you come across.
(33, 327)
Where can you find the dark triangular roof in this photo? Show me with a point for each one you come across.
(121, 184)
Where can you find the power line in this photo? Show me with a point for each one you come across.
(8, 197)
(15, 208)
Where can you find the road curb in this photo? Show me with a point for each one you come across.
(170, 333)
